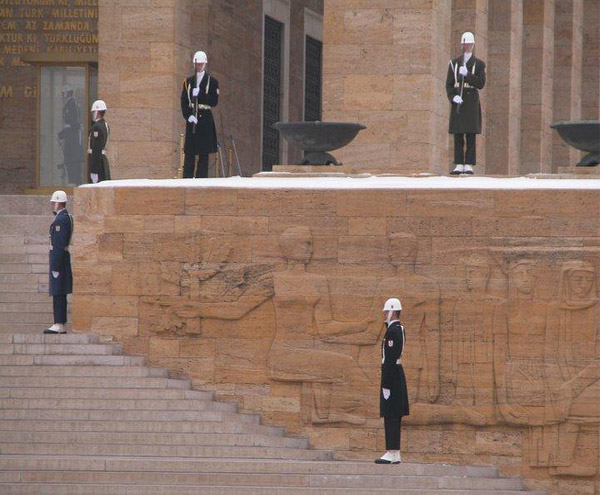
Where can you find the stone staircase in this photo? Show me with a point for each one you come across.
(25, 305)
(78, 417)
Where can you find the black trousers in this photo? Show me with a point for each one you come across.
(60, 308)
(392, 433)
(189, 164)
(462, 157)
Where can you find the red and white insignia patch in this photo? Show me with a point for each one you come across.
(390, 343)
(95, 133)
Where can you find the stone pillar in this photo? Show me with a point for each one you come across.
(144, 54)
(591, 60)
(505, 34)
(568, 58)
(472, 15)
(386, 68)
(537, 101)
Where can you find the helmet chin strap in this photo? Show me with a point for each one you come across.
(389, 317)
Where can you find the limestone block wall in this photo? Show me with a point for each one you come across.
(143, 58)
(382, 70)
(383, 67)
(146, 47)
(273, 297)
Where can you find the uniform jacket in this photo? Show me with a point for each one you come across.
(200, 139)
(465, 118)
(98, 161)
(392, 374)
(60, 259)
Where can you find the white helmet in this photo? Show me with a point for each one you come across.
(67, 87)
(467, 38)
(200, 58)
(58, 197)
(98, 106)
(392, 304)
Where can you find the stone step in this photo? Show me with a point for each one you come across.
(107, 382)
(125, 415)
(24, 308)
(33, 288)
(16, 268)
(41, 247)
(71, 360)
(174, 439)
(118, 405)
(195, 451)
(366, 482)
(141, 427)
(105, 393)
(27, 318)
(208, 465)
(20, 297)
(37, 259)
(14, 258)
(25, 204)
(220, 489)
(6, 279)
(93, 371)
(29, 328)
(71, 338)
(52, 349)
(26, 225)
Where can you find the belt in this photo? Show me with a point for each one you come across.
(90, 152)
(67, 248)
(465, 85)
(203, 107)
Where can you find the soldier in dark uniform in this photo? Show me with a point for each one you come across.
(466, 76)
(394, 394)
(61, 277)
(99, 169)
(199, 94)
(70, 136)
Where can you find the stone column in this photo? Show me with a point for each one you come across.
(144, 54)
(472, 15)
(591, 60)
(568, 58)
(537, 101)
(386, 68)
(505, 36)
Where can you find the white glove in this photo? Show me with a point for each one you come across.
(463, 71)
(457, 99)
(386, 393)
(55, 274)
(94, 178)
(195, 92)
(89, 151)
(193, 119)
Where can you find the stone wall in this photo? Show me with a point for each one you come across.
(145, 53)
(37, 27)
(385, 66)
(273, 297)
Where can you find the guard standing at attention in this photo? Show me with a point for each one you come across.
(99, 135)
(61, 276)
(70, 136)
(393, 393)
(199, 94)
(466, 76)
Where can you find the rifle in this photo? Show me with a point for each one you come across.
(237, 158)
